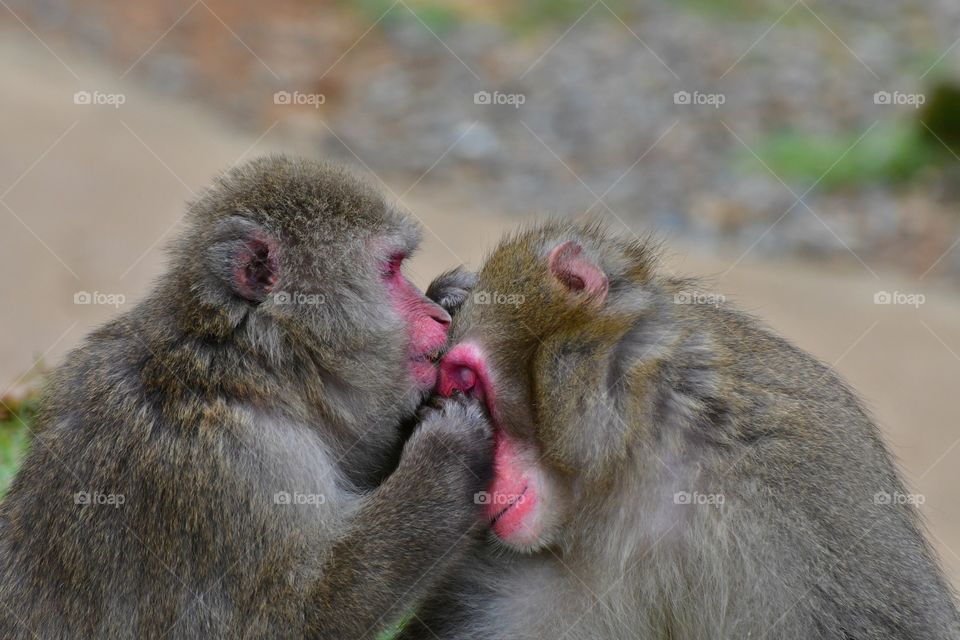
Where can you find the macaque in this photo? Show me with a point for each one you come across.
(209, 464)
(666, 469)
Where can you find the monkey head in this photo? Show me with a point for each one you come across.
(303, 259)
(540, 342)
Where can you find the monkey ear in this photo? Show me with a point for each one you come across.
(576, 272)
(254, 269)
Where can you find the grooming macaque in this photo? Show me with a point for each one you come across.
(204, 464)
(666, 469)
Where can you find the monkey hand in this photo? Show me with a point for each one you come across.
(451, 288)
(460, 426)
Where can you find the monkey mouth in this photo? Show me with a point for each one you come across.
(424, 367)
(511, 503)
(433, 356)
(441, 352)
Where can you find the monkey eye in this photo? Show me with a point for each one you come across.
(392, 267)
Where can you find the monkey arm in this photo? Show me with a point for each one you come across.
(406, 532)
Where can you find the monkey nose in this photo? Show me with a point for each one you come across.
(464, 379)
(456, 378)
(463, 369)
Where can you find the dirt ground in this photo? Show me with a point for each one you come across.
(90, 193)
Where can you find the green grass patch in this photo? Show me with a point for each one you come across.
(394, 630)
(733, 9)
(439, 17)
(890, 153)
(14, 440)
(518, 17)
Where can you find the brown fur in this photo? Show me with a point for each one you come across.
(631, 401)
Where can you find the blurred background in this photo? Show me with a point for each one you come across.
(802, 157)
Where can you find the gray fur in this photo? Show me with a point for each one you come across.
(200, 406)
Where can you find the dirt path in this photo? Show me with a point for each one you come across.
(92, 192)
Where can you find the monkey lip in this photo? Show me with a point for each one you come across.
(424, 368)
(511, 503)
(429, 354)
(430, 357)
(517, 522)
(514, 494)
(512, 508)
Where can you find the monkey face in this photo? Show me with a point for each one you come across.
(306, 258)
(426, 322)
(535, 344)
(520, 503)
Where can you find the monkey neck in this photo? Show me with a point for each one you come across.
(678, 435)
(610, 534)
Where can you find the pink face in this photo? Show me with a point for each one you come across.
(427, 323)
(514, 504)
(524, 500)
